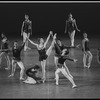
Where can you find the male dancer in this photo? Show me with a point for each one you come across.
(63, 68)
(16, 50)
(26, 31)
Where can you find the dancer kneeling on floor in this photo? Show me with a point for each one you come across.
(32, 75)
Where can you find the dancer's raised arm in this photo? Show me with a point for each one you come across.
(33, 43)
(48, 38)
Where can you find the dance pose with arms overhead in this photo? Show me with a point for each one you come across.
(71, 27)
(43, 53)
(26, 31)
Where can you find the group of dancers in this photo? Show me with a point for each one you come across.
(61, 53)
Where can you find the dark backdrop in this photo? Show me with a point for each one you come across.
(49, 16)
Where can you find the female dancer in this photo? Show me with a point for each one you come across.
(16, 50)
(86, 51)
(26, 31)
(43, 54)
(70, 27)
(4, 50)
(98, 55)
(32, 75)
(62, 68)
(58, 49)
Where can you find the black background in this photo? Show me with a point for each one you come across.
(49, 16)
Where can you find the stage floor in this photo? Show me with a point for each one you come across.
(87, 80)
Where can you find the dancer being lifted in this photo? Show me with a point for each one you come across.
(58, 43)
(26, 31)
(5, 46)
(86, 51)
(43, 53)
(71, 27)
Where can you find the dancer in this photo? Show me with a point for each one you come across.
(43, 54)
(71, 27)
(4, 50)
(58, 49)
(32, 75)
(26, 31)
(86, 51)
(16, 59)
(62, 68)
(98, 55)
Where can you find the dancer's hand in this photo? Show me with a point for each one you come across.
(75, 60)
(78, 46)
(55, 36)
(51, 33)
(78, 30)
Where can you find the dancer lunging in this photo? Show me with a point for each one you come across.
(63, 68)
(86, 51)
(4, 50)
(26, 31)
(43, 53)
(71, 27)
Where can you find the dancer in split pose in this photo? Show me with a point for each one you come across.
(63, 68)
(4, 50)
(86, 51)
(16, 59)
(43, 53)
(32, 75)
(71, 27)
(26, 31)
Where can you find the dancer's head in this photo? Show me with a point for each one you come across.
(85, 35)
(40, 40)
(64, 52)
(59, 42)
(3, 35)
(70, 15)
(15, 44)
(36, 67)
(26, 17)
